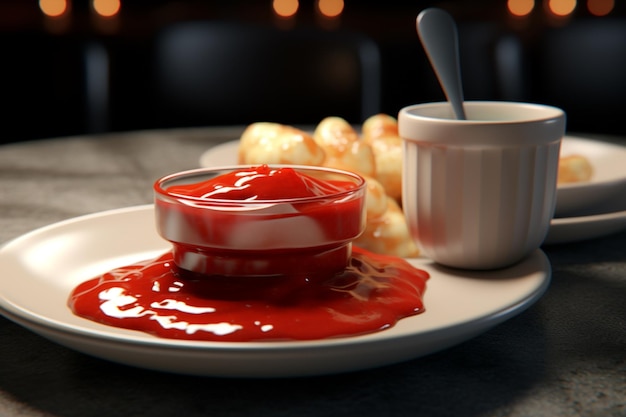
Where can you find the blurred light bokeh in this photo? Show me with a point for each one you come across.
(59, 56)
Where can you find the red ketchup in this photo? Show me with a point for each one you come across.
(258, 254)
(156, 297)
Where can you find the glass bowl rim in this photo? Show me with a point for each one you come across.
(162, 192)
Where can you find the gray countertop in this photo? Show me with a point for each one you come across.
(564, 356)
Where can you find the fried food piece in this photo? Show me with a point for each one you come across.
(574, 168)
(389, 234)
(375, 198)
(381, 133)
(335, 144)
(335, 132)
(378, 126)
(343, 147)
(389, 161)
(274, 143)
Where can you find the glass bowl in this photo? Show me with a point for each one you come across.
(282, 236)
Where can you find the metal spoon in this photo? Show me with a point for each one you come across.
(438, 33)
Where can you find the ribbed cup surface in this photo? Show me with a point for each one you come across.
(479, 208)
(480, 193)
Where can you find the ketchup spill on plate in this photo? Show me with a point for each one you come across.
(372, 294)
(362, 293)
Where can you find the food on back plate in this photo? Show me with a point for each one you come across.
(574, 168)
(343, 147)
(336, 144)
(379, 126)
(274, 143)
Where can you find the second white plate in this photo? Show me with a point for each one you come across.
(583, 210)
(590, 223)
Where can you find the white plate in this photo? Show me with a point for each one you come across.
(573, 200)
(40, 269)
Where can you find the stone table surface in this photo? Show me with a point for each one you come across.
(564, 356)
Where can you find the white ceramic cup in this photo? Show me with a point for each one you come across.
(480, 193)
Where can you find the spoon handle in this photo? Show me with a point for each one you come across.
(438, 34)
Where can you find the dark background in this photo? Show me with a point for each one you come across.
(576, 62)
